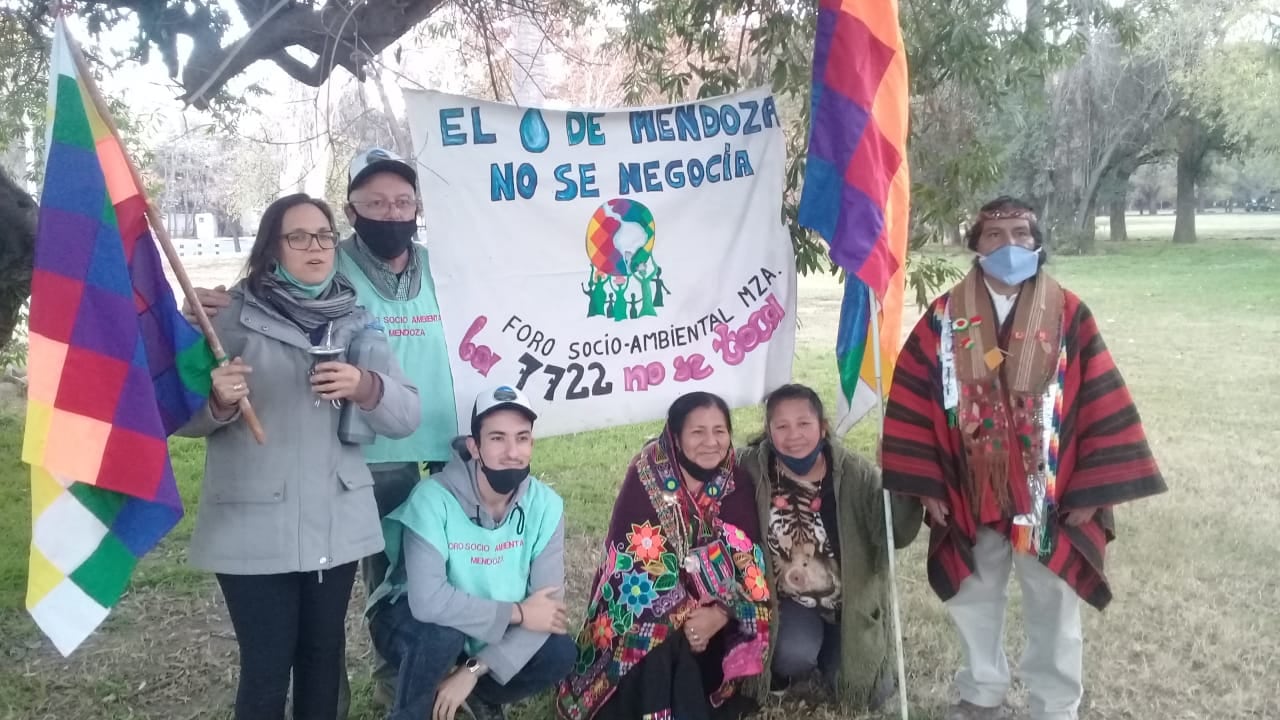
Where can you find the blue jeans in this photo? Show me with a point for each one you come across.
(426, 652)
(805, 642)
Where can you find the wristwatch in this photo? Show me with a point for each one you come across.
(472, 665)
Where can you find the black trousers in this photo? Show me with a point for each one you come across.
(673, 682)
(289, 622)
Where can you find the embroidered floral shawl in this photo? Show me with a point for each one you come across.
(667, 552)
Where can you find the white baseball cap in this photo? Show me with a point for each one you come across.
(500, 398)
(373, 160)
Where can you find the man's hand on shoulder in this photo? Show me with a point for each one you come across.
(213, 301)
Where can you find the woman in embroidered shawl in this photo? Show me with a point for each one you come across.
(679, 615)
(822, 514)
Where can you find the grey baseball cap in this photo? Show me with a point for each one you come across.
(375, 160)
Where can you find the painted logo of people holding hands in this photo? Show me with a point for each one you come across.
(625, 282)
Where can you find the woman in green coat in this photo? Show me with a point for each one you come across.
(822, 515)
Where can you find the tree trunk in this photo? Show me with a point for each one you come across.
(1119, 203)
(1087, 204)
(1047, 219)
(954, 236)
(1027, 165)
(1119, 230)
(1195, 141)
(1089, 227)
(1033, 32)
(1184, 227)
(17, 252)
(404, 146)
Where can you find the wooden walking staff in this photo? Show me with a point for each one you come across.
(888, 513)
(162, 235)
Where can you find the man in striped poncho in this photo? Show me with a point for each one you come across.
(1009, 420)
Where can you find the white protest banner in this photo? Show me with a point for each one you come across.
(607, 262)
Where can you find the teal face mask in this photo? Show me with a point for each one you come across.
(309, 290)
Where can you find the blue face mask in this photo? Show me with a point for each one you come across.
(802, 465)
(1011, 264)
(311, 291)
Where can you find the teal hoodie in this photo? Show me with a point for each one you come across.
(458, 567)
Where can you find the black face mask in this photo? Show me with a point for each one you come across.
(388, 239)
(696, 471)
(506, 480)
(802, 465)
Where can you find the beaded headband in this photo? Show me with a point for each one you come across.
(1011, 213)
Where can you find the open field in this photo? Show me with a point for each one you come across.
(1194, 631)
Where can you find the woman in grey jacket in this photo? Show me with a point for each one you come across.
(284, 524)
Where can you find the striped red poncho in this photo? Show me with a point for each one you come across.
(1103, 458)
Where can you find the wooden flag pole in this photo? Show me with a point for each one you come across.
(888, 514)
(162, 236)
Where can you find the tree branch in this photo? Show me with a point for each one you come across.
(338, 33)
(309, 75)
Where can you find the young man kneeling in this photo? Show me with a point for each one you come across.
(471, 609)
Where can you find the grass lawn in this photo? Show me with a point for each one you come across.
(1194, 631)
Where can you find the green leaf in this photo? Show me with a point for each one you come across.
(669, 560)
(607, 592)
(623, 563)
(618, 612)
(779, 73)
(665, 582)
(622, 621)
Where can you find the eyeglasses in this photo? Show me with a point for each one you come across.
(382, 207)
(301, 239)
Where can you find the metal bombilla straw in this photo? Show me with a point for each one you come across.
(323, 353)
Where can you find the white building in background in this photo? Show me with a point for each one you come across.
(195, 235)
(196, 226)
